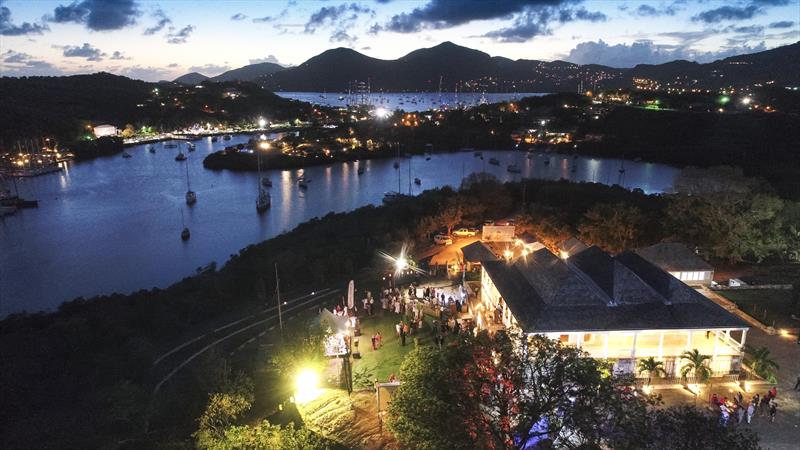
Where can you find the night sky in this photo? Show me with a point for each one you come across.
(154, 40)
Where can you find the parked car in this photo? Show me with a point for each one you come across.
(442, 239)
(462, 232)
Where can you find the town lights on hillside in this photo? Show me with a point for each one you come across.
(746, 101)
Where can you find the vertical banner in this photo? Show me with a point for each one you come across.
(351, 293)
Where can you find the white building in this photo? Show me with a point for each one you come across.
(620, 308)
(105, 130)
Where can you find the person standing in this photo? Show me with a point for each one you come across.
(751, 409)
(402, 335)
(773, 411)
(739, 413)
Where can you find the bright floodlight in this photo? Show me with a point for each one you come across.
(263, 137)
(306, 386)
(381, 113)
(262, 123)
(746, 100)
(543, 122)
(264, 145)
(401, 263)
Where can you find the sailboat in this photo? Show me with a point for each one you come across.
(181, 156)
(185, 233)
(264, 200)
(191, 197)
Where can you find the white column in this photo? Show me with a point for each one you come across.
(633, 349)
(605, 344)
(661, 345)
(744, 337)
(579, 341)
(689, 341)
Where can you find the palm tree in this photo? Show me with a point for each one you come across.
(696, 365)
(653, 368)
(759, 361)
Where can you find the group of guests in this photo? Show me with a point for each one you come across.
(736, 411)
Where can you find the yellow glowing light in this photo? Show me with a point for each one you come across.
(264, 145)
(402, 263)
(647, 390)
(306, 386)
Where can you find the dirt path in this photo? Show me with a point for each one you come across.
(352, 421)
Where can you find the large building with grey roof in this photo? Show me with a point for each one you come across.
(622, 308)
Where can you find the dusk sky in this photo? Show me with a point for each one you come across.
(154, 40)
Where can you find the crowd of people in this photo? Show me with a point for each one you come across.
(736, 411)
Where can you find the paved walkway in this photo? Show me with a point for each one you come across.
(785, 432)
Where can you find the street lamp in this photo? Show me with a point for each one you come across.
(306, 386)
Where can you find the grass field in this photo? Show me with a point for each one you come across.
(772, 307)
(386, 360)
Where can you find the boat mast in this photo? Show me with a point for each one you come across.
(188, 185)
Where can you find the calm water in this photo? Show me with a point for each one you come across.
(412, 101)
(112, 224)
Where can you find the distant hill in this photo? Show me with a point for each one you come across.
(62, 107)
(473, 70)
(250, 72)
(191, 79)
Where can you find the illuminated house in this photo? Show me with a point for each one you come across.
(621, 308)
(105, 130)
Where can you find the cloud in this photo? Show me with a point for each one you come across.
(537, 21)
(181, 36)
(209, 69)
(269, 59)
(238, 16)
(118, 56)
(146, 73)
(23, 64)
(172, 65)
(727, 13)
(267, 19)
(782, 24)
(746, 11)
(162, 22)
(342, 36)
(342, 15)
(646, 10)
(7, 27)
(85, 51)
(646, 52)
(98, 15)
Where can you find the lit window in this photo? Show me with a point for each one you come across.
(564, 338)
(587, 337)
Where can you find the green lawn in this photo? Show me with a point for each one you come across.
(771, 307)
(387, 359)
